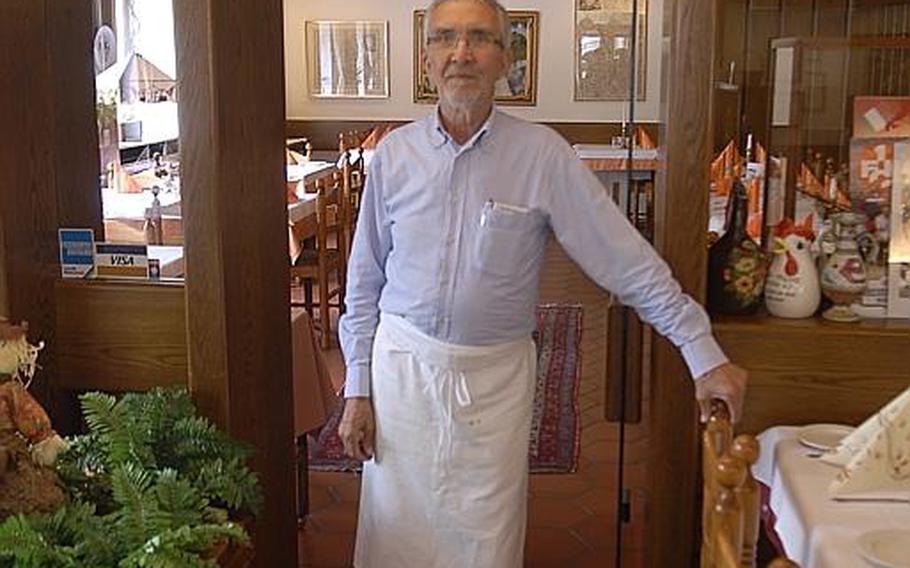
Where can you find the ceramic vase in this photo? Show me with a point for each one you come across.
(843, 278)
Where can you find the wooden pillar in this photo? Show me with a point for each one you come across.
(681, 232)
(230, 72)
(48, 158)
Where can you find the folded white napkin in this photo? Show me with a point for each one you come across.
(876, 456)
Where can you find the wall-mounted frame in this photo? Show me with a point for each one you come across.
(603, 32)
(517, 88)
(347, 59)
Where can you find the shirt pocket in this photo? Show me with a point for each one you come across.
(504, 238)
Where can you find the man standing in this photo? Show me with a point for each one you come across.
(442, 286)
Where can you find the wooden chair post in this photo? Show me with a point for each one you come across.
(746, 448)
(716, 439)
(322, 278)
(347, 206)
(727, 513)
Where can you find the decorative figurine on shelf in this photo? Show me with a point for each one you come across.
(736, 264)
(28, 444)
(792, 288)
(843, 278)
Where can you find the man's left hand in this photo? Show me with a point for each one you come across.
(725, 382)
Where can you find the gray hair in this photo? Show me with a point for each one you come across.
(505, 26)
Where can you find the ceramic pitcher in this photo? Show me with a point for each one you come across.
(843, 278)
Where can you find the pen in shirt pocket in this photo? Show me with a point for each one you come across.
(500, 206)
(492, 205)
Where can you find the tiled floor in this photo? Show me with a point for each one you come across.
(571, 517)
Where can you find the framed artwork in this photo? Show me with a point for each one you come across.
(517, 88)
(603, 36)
(348, 59)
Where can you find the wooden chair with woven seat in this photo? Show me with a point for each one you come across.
(731, 497)
(352, 183)
(317, 264)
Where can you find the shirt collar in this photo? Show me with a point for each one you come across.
(439, 137)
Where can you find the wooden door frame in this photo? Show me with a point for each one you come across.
(230, 74)
(48, 164)
(681, 210)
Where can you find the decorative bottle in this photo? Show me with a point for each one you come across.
(736, 264)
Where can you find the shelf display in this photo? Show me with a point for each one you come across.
(836, 125)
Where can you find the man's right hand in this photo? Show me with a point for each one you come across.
(357, 429)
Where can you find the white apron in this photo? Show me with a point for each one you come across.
(448, 485)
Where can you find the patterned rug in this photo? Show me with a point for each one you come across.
(554, 442)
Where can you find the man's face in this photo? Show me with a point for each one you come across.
(464, 71)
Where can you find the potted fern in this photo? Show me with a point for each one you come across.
(150, 484)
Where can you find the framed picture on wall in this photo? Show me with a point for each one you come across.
(348, 59)
(603, 41)
(517, 88)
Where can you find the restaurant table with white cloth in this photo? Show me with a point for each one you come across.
(815, 530)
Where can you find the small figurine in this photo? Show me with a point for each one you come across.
(28, 444)
(792, 289)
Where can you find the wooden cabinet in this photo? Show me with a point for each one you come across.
(812, 370)
(804, 65)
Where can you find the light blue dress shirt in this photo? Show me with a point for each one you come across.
(452, 239)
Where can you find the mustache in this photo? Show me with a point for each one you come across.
(461, 71)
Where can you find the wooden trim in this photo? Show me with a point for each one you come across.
(805, 371)
(75, 135)
(323, 133)
(116, 336)
(680, 219)
(230, 68)
(48, 162)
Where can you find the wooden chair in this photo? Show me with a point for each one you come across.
(318, 263)
(352, 182)
(731, 497)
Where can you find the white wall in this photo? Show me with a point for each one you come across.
(555, 63)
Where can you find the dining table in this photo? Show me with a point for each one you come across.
(815, 530)
(629, 183)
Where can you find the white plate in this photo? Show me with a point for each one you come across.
(823, 437)
(888, 548)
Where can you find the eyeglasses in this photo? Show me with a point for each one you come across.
(475, 39)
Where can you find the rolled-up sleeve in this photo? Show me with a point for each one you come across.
(365, 281)
(596, 234)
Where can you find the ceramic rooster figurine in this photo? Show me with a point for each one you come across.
(792, 288)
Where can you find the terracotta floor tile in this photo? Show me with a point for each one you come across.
(320, 498)
(606, 558)
(341, 518)
(555, 485)
(554, 512)
(326, 550)
(347, 492)
(600, 451)
(597, 531)
(598, 501)
(548, 546)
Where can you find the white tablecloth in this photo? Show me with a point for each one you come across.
(817, 532)
(308, 171)
(133, 205)
(303, 208)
